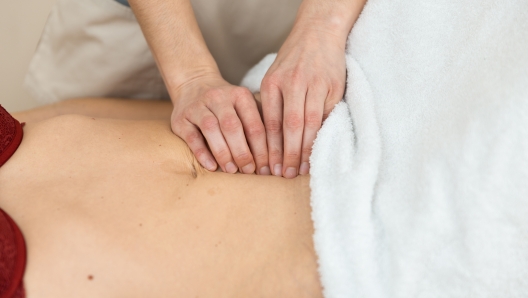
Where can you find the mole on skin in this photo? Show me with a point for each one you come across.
(90, 277)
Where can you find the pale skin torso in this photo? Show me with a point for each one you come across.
(114, 208)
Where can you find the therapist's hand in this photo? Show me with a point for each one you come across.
(299, 90)
(220, 123)
(305, 82)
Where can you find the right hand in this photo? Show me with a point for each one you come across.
(221, 124)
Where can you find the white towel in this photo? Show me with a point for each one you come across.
(420, 177)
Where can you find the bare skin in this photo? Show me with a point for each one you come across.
(119, 208)
(218, 120)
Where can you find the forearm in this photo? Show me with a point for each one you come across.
(100, 108)
(334, 17)
(175, 39)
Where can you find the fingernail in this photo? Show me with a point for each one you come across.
(231, 168)
(277, 170)
(305, 168)
(265, 171)
(248, 169)
(291, 172)
(209, 165)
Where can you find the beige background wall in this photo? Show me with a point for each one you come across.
(21, 23)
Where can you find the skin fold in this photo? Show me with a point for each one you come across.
(122, 208)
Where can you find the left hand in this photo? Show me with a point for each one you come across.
(299, 90)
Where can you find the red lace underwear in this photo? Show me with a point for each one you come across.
(12, 245)
(10, 135)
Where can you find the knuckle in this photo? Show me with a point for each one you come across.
(255, 130)
(338, 83)
(243, 157)
(312, 119)
(230, 123)
(213, 94)
(190, 110)
(318, 81)
(307, 151)
(274, 126)
(192, 137)
(291, 155)
(187, 113)
(271, 81)
(209, 123)
(260, 156)
(222, 155)
(337, 87)
(275, 154)
(200, 152)
(241, 93)
(294, 121)
(298, 75)
(265, 85)
(177, 125)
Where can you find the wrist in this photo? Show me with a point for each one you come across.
(333, 17)
(176, 78)
(188, 83)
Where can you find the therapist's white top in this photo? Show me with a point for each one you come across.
(239, 33)
(95, 48)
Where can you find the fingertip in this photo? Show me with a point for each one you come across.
(265, 170)
(210, 165)
(290, 173)
(277, 170)
(231, 168)
(305, 168)
(249, 168)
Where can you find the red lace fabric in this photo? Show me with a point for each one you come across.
(12, 258)
(10, 135)
(12, 245)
